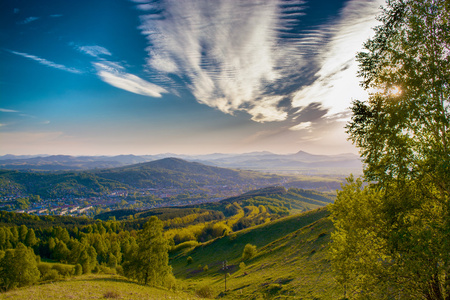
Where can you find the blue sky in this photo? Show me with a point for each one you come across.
(182, 76)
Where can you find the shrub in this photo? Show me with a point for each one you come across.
(111, 294)
(51, 275)
(183, 245)
(189, 260)
(78, 270)
(249, 252)
(205, 292)
(64, 270)
(44, 269)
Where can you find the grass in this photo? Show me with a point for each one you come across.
(291, 262)
(95, 287)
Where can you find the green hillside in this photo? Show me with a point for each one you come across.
(165, 173)
(174, 172)
(291, 261)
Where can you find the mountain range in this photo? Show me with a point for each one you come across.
(299, 163)
(163, 173)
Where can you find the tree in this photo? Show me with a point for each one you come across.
(18, 268)
(149, 261)
(30, 239)
(392, 236)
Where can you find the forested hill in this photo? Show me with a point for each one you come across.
(174, 172)
(169, 172)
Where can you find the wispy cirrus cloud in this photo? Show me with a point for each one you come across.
(251, 56)
(94, 50)
(46, 62)
(28, 20)
(8, 110)
(114, 74)
(336, 82)
(227, 52)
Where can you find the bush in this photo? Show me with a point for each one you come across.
(205, 292)
(64, 270)
(44, 269)
(189, 260)
(170, 282)
(205, 268)
(106, 270)
(78, 270)
(183, 245)
(111, 295)
(51, 275)
(249, 252)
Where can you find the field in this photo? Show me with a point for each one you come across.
(94, 287)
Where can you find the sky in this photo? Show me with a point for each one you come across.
(110, 77)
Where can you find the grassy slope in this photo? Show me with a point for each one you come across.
(291, 261)
(94, 287)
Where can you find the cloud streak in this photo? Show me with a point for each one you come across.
(336, 82)
(8, 110)
(226, 52)
(114, 75)
(247, 56)
(94, 51)
(47, 63)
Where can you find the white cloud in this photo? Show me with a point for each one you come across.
(111, 74)
(302, 126)
(337, 83)
(8, 110)
(226, 51)
(243, 56)
(94, 51)
(47, 63)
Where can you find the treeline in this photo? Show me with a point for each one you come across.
(89, 248)
(98, 247)
(55, 185)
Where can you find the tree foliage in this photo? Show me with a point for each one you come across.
(249, 252)
(149, 260)
(392, 234)
(18, 268)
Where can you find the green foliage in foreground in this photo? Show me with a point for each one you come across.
(149, 261)
(392, 236)
(18, 267)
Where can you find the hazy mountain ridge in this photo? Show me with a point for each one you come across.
(168, 172)
(300, 162)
